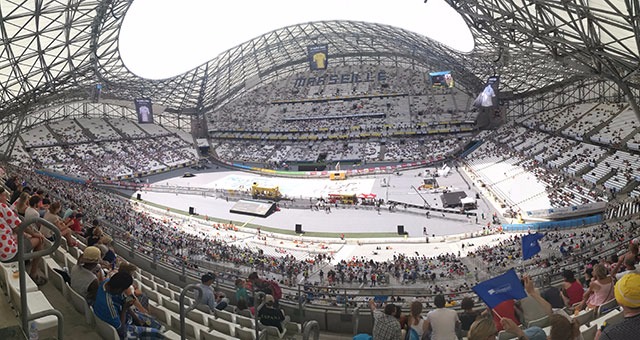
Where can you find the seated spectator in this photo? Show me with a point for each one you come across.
(242, 308)
(241, 292)
(52, 216)
(86, 274)
(468, 315)
(627, 293)
(482, 329)
(554, 296)
(415, 320)
(631, 255)
(572, 288)
(442, 321)
(88, 231)
(562, 325)
(108, 254)
(385, 325)
(4, 196)
(33, 240)
(485, 329)
(141, 302)
(629, 266)
(19, 198)
(112, 307)
(221, 300)
(76, 223)
(269, 315)
(94, 237)
(600, 290)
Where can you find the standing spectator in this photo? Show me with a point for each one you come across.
(627, 293)
(442, 321)
(385, 325)
(209, 297)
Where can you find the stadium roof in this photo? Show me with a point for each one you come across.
(55, 51)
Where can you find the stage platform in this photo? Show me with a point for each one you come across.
(337, 220)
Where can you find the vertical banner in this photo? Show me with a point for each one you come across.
(318, 56)
(144, 110)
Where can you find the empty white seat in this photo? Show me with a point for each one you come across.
(37, 302)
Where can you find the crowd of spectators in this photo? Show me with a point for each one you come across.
(70, 151)
(392, 110)
(585, 249)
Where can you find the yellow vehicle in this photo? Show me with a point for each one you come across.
(265, 192)
(337, 175)
(429, 183)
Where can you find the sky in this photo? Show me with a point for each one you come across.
(164, 38)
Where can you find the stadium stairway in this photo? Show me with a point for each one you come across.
(86, 131)
(116, 129)
(587, 136)
(59, 139)
(574, 120)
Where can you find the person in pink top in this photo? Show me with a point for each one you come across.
(572, 288)
(600, 289)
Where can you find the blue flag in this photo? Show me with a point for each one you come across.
(530, 245)
(501, 288)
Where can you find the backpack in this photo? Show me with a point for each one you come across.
(412, 334)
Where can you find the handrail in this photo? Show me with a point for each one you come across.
(309, 326)
(26, 315)
(356, 322)
(183, 312)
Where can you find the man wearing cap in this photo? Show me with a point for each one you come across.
(627, 292)
(86, 274)
(269, 315)
(209, 297)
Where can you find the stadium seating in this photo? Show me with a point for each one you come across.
(93, 148)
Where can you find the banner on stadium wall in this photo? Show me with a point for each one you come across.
(318, 56)
(566, 212)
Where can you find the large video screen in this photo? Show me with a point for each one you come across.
(489, 96)
(442, 79)
(144, 109)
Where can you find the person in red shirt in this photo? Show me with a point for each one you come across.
(77, 223)
(571, 288)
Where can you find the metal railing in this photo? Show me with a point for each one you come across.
(22, 257)
(311, 326)
(183, 312)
